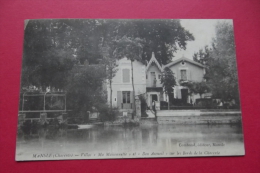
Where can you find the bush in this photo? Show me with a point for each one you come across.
(180, 102)
(108, 114)
(163, 104)
(204, 102)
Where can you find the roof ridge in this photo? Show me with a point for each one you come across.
(183, 58)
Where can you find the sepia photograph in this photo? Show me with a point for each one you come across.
(128, 88)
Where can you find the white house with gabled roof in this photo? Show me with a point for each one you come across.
(185, 69)
(147, 81)
(122, 94)
(154, 89)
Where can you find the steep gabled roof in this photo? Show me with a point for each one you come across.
(154, 60)
(184, 59)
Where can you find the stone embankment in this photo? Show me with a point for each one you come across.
(198, 116)
(182, 117)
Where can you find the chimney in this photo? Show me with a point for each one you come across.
(153, 56)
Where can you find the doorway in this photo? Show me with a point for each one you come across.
(154, 97)
(184, 95)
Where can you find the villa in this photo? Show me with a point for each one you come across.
(147, 81)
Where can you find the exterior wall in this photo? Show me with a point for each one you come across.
(194, 72)
(150, 79)
(118, 85)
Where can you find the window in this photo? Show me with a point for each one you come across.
(126, 75)
(153, 79)
(153, 76)
(126, 96)
(184, 74)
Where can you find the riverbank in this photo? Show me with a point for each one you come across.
(198, 116)
(210, 116)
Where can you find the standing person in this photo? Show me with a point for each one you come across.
(153, 105)
(220, 104)
(154, 110)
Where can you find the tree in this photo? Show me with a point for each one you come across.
(52, 47)
(168, 81)
(132, 50)
(203, 56)
(52, 70)
(107, 48)
(78, 40)
(222, 74)
(163, 37)
(200, 88)
(220, 63)
(85, 91)
(111, 67)
(196, 87)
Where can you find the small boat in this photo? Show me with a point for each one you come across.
(85, 126)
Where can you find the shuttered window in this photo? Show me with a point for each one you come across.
(126, 75)
(184, 74)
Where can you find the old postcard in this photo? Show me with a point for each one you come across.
(124, 88)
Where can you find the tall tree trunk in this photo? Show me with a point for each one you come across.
(134, 110)
(168, 102)
(111, 91)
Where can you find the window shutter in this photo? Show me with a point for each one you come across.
(126, 75)
(119, 99)
(190, 76)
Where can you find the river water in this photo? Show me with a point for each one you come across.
(141, 141)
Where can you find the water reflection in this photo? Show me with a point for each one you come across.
(121, 139)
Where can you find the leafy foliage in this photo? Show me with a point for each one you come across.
(203, 56)
(220, 62)
(223, 69)
(131, 48)
(196, 87)
(59, 44)
(107, 50)
(85, 89)
(163, 37)
(168, 80)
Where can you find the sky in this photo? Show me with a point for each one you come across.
(203, 31)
